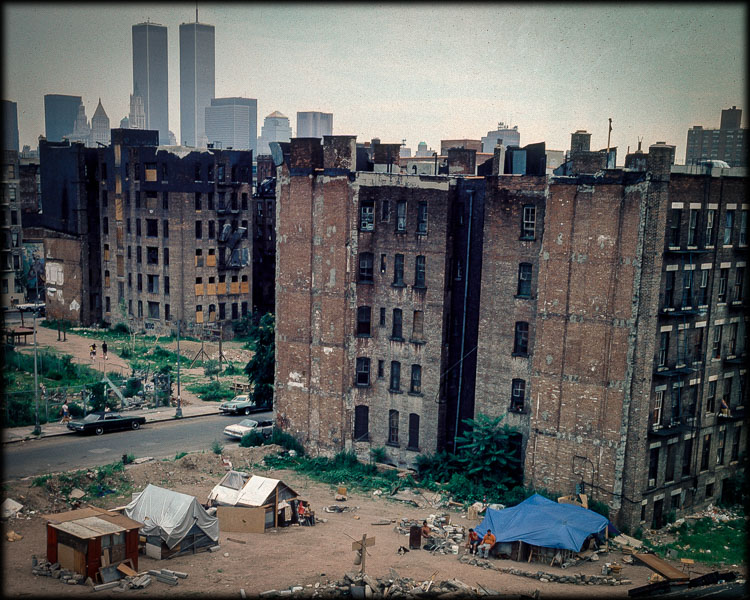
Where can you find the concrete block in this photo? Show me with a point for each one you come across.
(106, 586)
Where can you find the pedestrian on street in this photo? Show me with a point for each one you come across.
(92, 351)
(104, 349)
(65, 413)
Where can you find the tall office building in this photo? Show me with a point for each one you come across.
(60, 113)
(150, 75)
(233, 123)
(137, 115)
(728, 143)
(100, 131)
(10, 125)
(81, 129)
(275, 128)
(504, 134)
(314, 124)
(197, 80)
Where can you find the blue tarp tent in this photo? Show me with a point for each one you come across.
(542, 522)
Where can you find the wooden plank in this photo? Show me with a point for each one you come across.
(242, 519)
(661, 567)
(368, 543)
(126, 570)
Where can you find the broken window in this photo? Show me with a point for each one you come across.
(687, 289)
(716, 343)
(413, 432)
(138, 227)
(658, 404)
(401, 216)
(736, 443)
(416, 379)
(363, 372)
(395, 385)
(393, 427)
(152, 255)
(398, 270)
(524, 280)
(382, 317)
(361, 423)
(419, 272)
(669, 289)
(671, 455)
(674, 227)
(706, 451)
(653, 466)
(152, 228)
(422, 218)
(723, 279)
(687, 457)
(703, 298)
(528, 223)
(385, 210)
(363, 321)
(708, 233)
(198, 230)
(397, 331)
(367, 215)
(711, 397)
(720, 447)
(381, 369)
(728, 226)
(417, 331)
(153, 310)
(693, 227)
(365, 267)
(517, 395)
(739, 284)
(165, 228)
(663, 349)
(521, 341)
(152, 284)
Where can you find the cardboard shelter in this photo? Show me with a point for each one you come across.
(226, 491)
(538, 527)
(88, 539)
(256, 506)
(173, 523)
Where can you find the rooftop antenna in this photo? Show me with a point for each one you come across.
(403, 142)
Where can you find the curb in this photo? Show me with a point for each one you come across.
(67, 432)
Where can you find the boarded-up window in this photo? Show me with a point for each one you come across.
(361, 423)
(413, 432)
(120, 265)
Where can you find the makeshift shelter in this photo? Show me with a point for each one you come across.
(261, 503)
(542, 528)
(90, 539)
(173, 523)
(226, 491)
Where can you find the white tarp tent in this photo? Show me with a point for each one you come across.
(226, 491)
(170, 515)
(260, 491)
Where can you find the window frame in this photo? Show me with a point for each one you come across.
(362, 378)
(415, 381)
(364, 321)
(365, 274)
(521, 339)
(395, 377)
(525, 271)
(528, 222)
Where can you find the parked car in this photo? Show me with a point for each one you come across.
(242, 405)
(247, 425)
(99, 422)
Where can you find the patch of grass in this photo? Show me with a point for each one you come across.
(378, 455)
(708, 542)
(40, 481)
(216, 447)
(179, 455)
(213, 391)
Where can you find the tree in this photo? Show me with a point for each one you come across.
(488, 452)
(260, 369)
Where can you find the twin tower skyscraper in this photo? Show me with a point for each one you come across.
(197, 78)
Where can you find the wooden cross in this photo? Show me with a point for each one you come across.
(362, 548)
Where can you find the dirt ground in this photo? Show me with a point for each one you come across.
(286, 556)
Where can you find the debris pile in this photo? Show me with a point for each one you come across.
(47, 569)
(359, 585)
(447, 538)
(577, 579)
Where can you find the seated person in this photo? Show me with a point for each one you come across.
(487, 542)
(426, 533)
(472, 542)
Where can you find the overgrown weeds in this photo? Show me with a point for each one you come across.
(213, 391)
(709, 542)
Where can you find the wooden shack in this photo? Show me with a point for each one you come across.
(259, 505)
(86, 539)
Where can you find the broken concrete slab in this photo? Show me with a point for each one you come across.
(106, 586)
(9, 508)
(76, 493)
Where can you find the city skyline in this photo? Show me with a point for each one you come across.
(413, 72)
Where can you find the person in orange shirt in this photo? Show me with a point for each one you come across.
(487, 542)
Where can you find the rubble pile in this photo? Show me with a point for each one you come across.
(359, 585)
(447, 538)
(577, 579)
(124, 582)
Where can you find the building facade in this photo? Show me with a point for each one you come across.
(728, 143)
(314, 124)
(232, 123)
(11, 276)
(275, 128)
(175, 242)
(150, 76)
(504, 134)
(197, 80)
(100, 131)
(60, 113)
(572, 305)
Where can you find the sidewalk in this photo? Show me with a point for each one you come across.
(163, 413)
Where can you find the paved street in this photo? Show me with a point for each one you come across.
(158, 439)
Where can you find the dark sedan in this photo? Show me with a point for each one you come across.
(99, 422)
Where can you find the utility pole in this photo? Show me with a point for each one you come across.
(37, 427)
(178, 412)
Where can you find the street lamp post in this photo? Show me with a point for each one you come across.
(178, 412)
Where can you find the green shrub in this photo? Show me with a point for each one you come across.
(216, 447)
(40, 481)
(213, 391)
(120, 328)
(603, 509)
(179, 455)
(132, 387)
(379, 455)
(252, 438)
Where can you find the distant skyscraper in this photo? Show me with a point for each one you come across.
(150, 75)
(728, 143)
(81, 130)
(233, 122)
(314, 124)
(197, 80)
(10, 126)
(137, 116)
(60, 114)
(275, 128)
(504, 134)
(100, 131)
(125, 123)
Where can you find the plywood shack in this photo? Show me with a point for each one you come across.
(84, 540)
(259, 505)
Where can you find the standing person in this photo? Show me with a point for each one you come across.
(487, 542)
(472, 542)
(104, 349)
(65, 413)
(309, 515)
(92, 351)
(301, 512)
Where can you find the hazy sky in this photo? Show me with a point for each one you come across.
(413, 71)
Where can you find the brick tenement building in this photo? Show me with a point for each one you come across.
(175, 233)
(543, 302)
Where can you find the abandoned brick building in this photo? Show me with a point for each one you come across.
(175, 233)
(599, 310)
